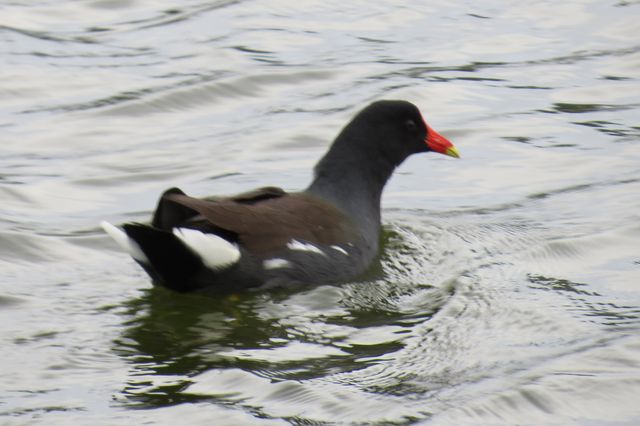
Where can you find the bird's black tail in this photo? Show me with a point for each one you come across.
(168, 261)
(176, 250)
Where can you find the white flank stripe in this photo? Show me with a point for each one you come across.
(276, 263)
(215, 252)
(340, 249)
(297, 245)
(123, 240)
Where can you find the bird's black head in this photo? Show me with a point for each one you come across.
(394, 130)
(369, 148)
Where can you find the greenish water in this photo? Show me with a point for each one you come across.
(510, 278)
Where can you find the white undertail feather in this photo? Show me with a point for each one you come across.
(215, 252)
(124, 241)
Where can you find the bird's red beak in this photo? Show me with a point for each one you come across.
(438, 143)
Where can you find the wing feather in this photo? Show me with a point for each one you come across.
(268, 225)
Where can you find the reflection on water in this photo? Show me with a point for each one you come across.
(171, 339)
(508, 289)
(302, 336)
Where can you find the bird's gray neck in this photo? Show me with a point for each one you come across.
(354, 184)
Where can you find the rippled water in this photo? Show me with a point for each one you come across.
(511, 277)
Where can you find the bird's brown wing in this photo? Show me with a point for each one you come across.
(169, 214)
(269, 224)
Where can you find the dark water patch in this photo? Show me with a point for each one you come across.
(474, 15)
(90, 56)
(98, 29)
(483, 79)
(427, 71)
(375, 40)
(519, 139)
(260, 55)
(224, 176)
(530, 87)
(583, 187)
(612, 129)
(592, 305)
(594, 123)
(173, 16)
(487, 210)
(543, 195)
(45, 36)
(562, 285)
(9, 301)
(38, 412)
(584, 108)
(616, 78)
(584, 55)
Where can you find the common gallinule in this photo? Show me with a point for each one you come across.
(327, 233)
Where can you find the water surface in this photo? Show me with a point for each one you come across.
(510, 277)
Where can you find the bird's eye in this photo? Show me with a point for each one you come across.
(411, 125)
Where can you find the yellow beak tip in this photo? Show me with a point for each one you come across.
(452, 152)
